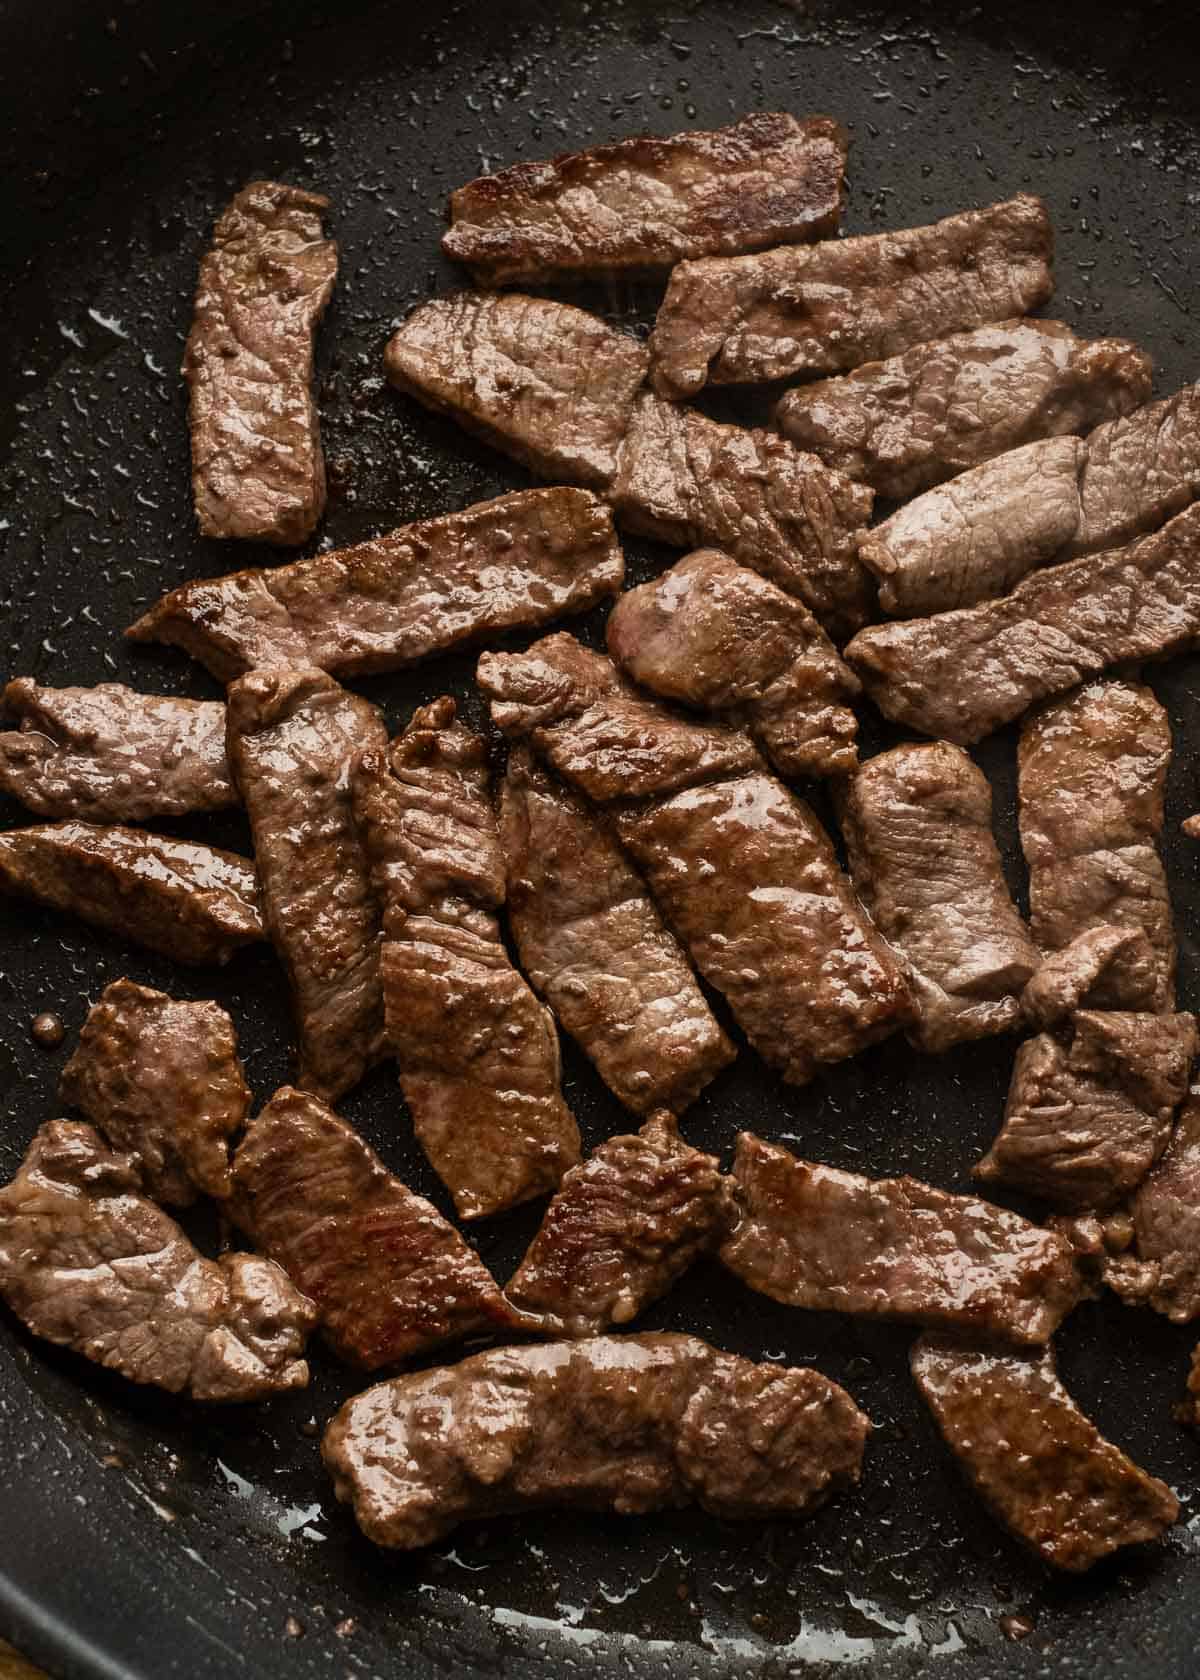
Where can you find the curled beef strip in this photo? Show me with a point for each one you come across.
(1162, 1267)
(90, 1263)
(478, 1054)
(594, 946)
(257, 466)
(812, 1236)
(1139, 471)
(160, 1076)
(617, 1423)
(1076, 975)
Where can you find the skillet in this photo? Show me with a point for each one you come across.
(141, 1538)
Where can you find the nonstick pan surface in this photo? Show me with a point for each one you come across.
(142, 1537)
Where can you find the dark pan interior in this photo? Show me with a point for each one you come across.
(139, 1537)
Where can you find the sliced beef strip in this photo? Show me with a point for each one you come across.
(691, 481)
(1090, 1112)
(257, 466)
(90, 1263)
(160, 1076)
(917, 822)
(961, 674)
(1191, 827)
(292, 736)
(1162, 1268)
(1188, 1410)
(595, 948)
(627, 1424)
(187, 901)
(1076, 975)
(822, 308)
(478, 1054)
(1044, 1470)
(547, 383)
(514, 563)
(645, 203)
(717, 637)
(812, 1236)
(110, 754)
(1139, 471)
(905, 424)
(623, 1226)
(1092, 771)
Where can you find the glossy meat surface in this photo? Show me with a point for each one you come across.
(1162, 1269)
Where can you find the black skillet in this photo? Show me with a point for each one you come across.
(143, 1538)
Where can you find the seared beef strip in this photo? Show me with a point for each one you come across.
(821, 308)
(257, 467)
(646, 203)
(906, 424)
(187, 901)
(1139, 471)
(1073, 977)
(1163, 1267)
(110, 754)
(1044, 1470)
(622, 1227)
(90, 1263)
(1090, 1113)
(161, 1077)
(1092, 774)
(1191, 827)
(918, 828)
(811, 1236)
(292, 735)
(962, 674)
(719, 638)
(594, 946)
(514, 563)
(618, 1423)
(1188, 1411)
(478, 1054)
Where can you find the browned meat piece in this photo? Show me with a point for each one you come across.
(257, 467)
(1139, 471)
(973, 538)
(1163, 1268)
(1087, 1118)
(187, 901)
(918, 828)
(1069, 979)
(1043, 1469)
(906, 424)
(719, 638)
(594, 946)
(645, 203)
(1092, 774)
(616, 1423)
(91, 1264)
(547, 383)
(688, 480)
(622, 1227)
(821, 308)
(1191, 827)
(110, 754)
(514, 563)
(292, 736)
(478, 1054)
(161, 1077)
(811, 1236)
(962, 674)
(1188, 1410)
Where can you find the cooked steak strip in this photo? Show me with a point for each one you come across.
(627, 1424)
(1092, 775)
(257, 467)
(1139, 471)
(1162, 1269)
(1043, 1469)
(646, 203)
(1090, 1113)
(90, 1263)
(292, 735)
(962, 674)
(1069, 979)
(594, 946)
(622, 1228)
(478, 1054)
(187, 901)
(918, 828)
(514, 563)
(905, 424)
(1191, 827)
(822, 308)
(719, 638)
(110, 754)
(811, 1236)
(160, 1076)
